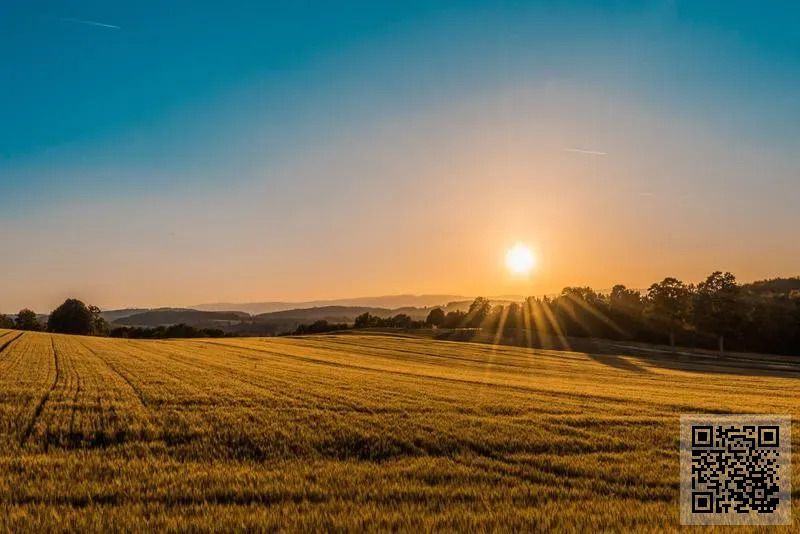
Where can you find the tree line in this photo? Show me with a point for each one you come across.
(716, 313)
(75, 317)
(72, 317)
(181, 330)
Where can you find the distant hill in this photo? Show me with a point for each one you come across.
(774, 286)
(315, 313)
(387, 302)
(168, 317)
(114, 315)
(284, 320)
(339, 314)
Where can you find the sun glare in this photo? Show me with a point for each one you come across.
(520, 259)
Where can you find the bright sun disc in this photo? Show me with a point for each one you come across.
(520, 259)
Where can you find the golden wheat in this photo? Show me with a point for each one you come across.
(349, 433)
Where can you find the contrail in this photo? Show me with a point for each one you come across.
(582, 151)
(92, 23)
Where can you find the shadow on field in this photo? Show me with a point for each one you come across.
(618, 362)
(699, 362)
(619, 355)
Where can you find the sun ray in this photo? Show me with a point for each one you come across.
(556, 327)
(527, 323)
(595, 313)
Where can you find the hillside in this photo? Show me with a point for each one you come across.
(352, 433)
(170, 316)
(774, 286)
(264, 324)
(115, 315)
(387, 302)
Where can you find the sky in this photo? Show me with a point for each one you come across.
(177, 153)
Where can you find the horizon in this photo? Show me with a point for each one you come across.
(296, 153)
(320, 302)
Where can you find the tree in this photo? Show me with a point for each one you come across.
(625, 307)
(478, 311)
(670, 301)
(6, 321)
(100, 325)
(365, 320)
(435, 318)
(582, 312)
(717, 306)
(75, 317)
(513, 317)
(624, 299)
(27, 320)
(401, 320)
(455, 319)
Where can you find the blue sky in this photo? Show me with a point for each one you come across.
(189, 101)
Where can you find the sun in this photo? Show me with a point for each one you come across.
(520, 259)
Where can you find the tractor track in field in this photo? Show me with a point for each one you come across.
(40, 406)
(134, 388)
(75, 404)
(8, 342)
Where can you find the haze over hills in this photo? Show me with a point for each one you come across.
(387, 301)
(277, 322)
(400, 303)
(167, 317)
(248, 319)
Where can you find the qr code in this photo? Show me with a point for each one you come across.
(735, 469)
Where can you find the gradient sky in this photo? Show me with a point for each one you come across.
(171, 153)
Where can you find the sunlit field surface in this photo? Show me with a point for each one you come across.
(352, 432)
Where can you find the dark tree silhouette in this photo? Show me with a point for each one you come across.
(478, 311)
(6, 321)
(181, 330)
(27, 320)
(670, 300)
(626, 308)
(455, 319)
(717, 306)
(625, 300)
(513, 317)
(401, 320)
(75, 317)
(365, 320)
(319, 327)
(435, 318)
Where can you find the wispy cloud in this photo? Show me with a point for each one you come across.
(91, 23)
(583, 151)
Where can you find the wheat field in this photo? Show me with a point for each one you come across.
(351, 433)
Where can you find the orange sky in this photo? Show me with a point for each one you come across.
(429, 203)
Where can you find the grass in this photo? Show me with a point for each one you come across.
(351, 432)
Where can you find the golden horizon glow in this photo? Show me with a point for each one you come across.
(520, 259)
